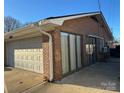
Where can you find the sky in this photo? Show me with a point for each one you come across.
(34, 10)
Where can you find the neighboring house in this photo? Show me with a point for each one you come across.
(78, 40)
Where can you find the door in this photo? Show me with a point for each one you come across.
(26, 54)
(65, 54)
(72, 52)
(92, 49)
(78, 50)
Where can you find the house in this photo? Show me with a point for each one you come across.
(58, 46)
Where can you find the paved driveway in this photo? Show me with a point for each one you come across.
(97, 78)
(66, 88)
(100, 76)
(18, 80)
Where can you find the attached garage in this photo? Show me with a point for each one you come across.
(60, 45)
(25, 54)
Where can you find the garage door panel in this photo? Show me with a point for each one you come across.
(29, 60)
(26, 54)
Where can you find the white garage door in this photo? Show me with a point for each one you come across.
(26, 54)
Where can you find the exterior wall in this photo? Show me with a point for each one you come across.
(5, 62)
(57, 68)
(57, 55)
(81, 26)
(46, 62)
(87, 26)
(100, 56)
(84, 26)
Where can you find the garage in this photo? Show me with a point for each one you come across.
(25, 54)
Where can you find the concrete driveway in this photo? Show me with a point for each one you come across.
(100, 75)
(97, 78)
(18, 80)
(65, 88)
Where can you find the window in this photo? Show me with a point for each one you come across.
(90, 46)
(101, 43)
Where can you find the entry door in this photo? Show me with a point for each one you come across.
(92, 49)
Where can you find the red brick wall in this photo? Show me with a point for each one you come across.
(83, 26)
(57, 65)
(87, 26)
(57, 55)
(46, 63)
(5, 56)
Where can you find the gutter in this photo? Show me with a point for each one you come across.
(50, 50)
(96, 36)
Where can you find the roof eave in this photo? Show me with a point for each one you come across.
(29, 30)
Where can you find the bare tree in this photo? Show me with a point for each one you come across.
(11, 24)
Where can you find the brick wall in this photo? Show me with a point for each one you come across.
(86, 26)
(46, 62)
(5, 57)
(57, 55)
(57, 65)
(83, 26)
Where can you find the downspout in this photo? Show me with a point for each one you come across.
(50, 50)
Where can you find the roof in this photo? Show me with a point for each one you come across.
(59, 20)
(86, 14)
(52, 22)
(28, 31)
